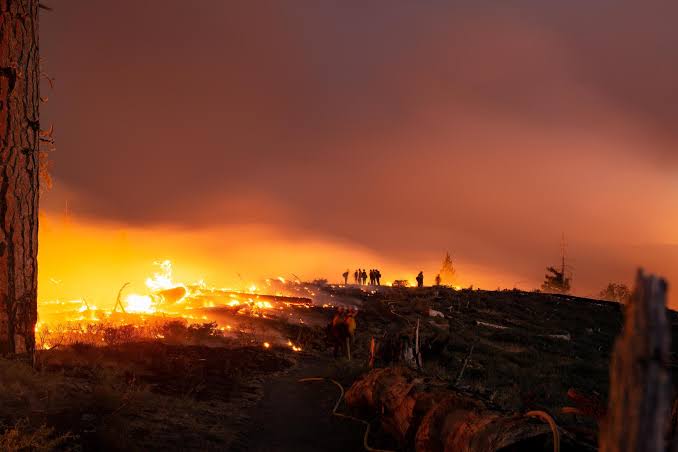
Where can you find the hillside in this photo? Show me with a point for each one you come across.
(512, 351)
(519, 352)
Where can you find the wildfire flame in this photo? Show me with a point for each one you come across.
(139, 303)
(164, 297)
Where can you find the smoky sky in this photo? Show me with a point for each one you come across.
(406, 127)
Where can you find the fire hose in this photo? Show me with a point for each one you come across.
(346, 416)
(544, 416)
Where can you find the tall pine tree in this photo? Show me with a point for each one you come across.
(556, 279)
(19, 174)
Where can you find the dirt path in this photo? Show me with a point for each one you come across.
(296, 417)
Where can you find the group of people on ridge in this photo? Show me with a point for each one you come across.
(360, 277)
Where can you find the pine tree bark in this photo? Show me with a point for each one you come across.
(19, 174)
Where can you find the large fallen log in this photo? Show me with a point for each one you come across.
(438, 419)
(178, 293)
(291, 300)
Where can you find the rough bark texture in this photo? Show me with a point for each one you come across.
(437, 420)
(19, 172)
(640, 386)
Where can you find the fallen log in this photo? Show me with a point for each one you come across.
(562, 337)
(491, 325)
(173, 295)
(438, 419)
(297, 301)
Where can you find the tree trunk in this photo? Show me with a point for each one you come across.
(19, 173)
(640, 386)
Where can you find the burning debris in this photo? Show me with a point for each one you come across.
(166, 300)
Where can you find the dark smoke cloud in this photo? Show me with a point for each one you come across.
(408, 128)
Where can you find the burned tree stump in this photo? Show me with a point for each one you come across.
(640, 392)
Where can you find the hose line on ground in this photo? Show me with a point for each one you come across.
(346, 416)
(544, 416)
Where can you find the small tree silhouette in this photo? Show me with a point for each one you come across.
(555, 281)
(447, 271)
(615, 292)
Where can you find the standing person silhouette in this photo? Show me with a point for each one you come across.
(420, 279)
(356, 276)
(345, 275)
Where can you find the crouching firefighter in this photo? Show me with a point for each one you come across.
(341, 331)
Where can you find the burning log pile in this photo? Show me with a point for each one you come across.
(167, 304)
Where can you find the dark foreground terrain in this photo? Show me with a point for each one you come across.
(515, 351)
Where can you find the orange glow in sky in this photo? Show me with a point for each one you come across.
(90, 260)
(314, 147)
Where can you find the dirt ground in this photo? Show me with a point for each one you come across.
(294, 416)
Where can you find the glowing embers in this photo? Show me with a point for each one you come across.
(290, 345)
(293, 347)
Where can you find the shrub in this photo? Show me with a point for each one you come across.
(21, 437)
